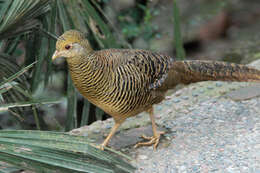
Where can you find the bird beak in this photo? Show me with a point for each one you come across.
(55, 55)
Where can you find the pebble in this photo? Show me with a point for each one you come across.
(218, 84)
(195, 94)
(96, 131)
(108, 126)
(167, 98)
(85, 134)
(159, 108)
(201, 91)
(176, 100)
(185, 97)
(210, 87)
(91, 140)
(168, 103)
(178, 93)
(143, 157)
(182, 168)
(217, 135)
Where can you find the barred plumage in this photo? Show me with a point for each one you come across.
(125, 82)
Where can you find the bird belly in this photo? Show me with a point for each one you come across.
(118, 103)
(120, 109)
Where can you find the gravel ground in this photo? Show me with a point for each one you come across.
(206, 131)
(216, 135)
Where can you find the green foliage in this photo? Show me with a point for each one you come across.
(51, 151)
(14, 87)
(66, 24)
(19, 17)
(18, 23)
(31, 24)
(27, 41)
(134, 26)
(177, 32)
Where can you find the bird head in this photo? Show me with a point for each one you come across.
(72, 44)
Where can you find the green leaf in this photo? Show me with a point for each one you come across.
(39, 54)
(118, 34)
(28, 103)
(64, 16)
(18, 17)
(177, 32)
(71, 106)
(11, 87)
(14, 85)
(98, 27)
(6, 168)
(71, 93)
(85, 113)
(99, 113)
(51, 152)
(16, 75)
(51, 19)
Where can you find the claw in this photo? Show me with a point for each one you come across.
(153, 140)
(147, 137)
(101, 146)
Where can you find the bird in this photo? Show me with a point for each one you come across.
(126, 82)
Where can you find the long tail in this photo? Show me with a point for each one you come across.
(196, 71)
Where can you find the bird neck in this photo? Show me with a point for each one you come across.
(87, 73)
(85, 64)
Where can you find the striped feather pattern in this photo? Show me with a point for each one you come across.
(125, 82)
(121, 87)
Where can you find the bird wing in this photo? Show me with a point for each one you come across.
(143, 69)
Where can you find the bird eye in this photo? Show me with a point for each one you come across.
(67, 47)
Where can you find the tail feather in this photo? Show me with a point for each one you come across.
(196, 71)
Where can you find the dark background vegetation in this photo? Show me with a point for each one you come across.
(216, 30)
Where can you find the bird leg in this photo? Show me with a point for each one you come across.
(153, 140)
(112, 132)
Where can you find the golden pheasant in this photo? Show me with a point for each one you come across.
(125, 82)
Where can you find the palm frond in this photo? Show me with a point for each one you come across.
(16, 16)
(52, 152)
(6, 168)
(66, 24)
(17, 20)
(177, 32)
(14, 85)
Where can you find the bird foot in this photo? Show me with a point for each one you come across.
(152, 140)
(101, 146)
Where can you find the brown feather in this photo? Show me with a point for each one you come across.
(125, 82)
